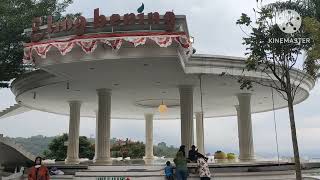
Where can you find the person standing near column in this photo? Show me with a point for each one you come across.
(181, 166)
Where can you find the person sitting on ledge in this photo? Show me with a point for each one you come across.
(192, 156)
(38, 171)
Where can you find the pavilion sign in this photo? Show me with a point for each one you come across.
(80, 24)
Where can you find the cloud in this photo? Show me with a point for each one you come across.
(308, 137)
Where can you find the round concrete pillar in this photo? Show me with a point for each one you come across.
(149, 138)
(73, 137)
(103, 127)
(200, 132)
(186, 109)
(245, 127)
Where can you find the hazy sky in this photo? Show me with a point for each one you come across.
(212, 23)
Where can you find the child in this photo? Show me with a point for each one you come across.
(168, 170)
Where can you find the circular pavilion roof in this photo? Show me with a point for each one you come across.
(143, 66)
(140, 84)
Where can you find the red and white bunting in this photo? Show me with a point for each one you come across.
(90, 42)
(137, 41)
(64, 48)
(88, 45)
(162, 41)
(42, 50)
(114, 44)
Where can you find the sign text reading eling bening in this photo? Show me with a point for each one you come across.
(78, 26)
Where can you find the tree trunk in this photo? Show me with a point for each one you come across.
(294, 138)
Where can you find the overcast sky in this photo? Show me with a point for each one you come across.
(212, 23)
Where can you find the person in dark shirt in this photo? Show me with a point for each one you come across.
(192, 156)
(183, 150)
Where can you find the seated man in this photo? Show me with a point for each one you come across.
(193, 154)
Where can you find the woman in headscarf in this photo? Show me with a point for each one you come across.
(203, 167)
(183, 150)
(181, 166)
(39, 171)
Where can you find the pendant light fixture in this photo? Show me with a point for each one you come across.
(162, 107)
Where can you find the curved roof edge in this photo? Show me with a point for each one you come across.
(196, 64)
(218, 64)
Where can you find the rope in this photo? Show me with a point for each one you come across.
(275, 126)
(201, 94)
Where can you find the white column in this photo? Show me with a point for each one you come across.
(239, 129)
(96, 138)
(149, 138)
(103, 124)
(245, 127)
(186, 108)
(200, 132)
(73, 137)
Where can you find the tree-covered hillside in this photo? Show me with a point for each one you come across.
(37, 145)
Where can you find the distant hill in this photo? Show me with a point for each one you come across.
(35, 144)
(38, 144)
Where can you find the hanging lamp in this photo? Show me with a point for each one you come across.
(162, 107)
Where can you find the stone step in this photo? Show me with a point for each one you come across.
(125, 168)
(57, 177)
(13, 110)
(118, 174)
(311, 177)
(121, 171)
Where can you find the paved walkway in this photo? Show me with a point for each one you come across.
(274, 175)
(261, 176)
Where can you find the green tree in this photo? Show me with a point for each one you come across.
(313, 6)
(136, 150)
(15, 16)
(58, 151)
(163, 150)
(162, 144)
(276, 61)
(86, 148)
(132, 149)
(312, 26)
(311, 64)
